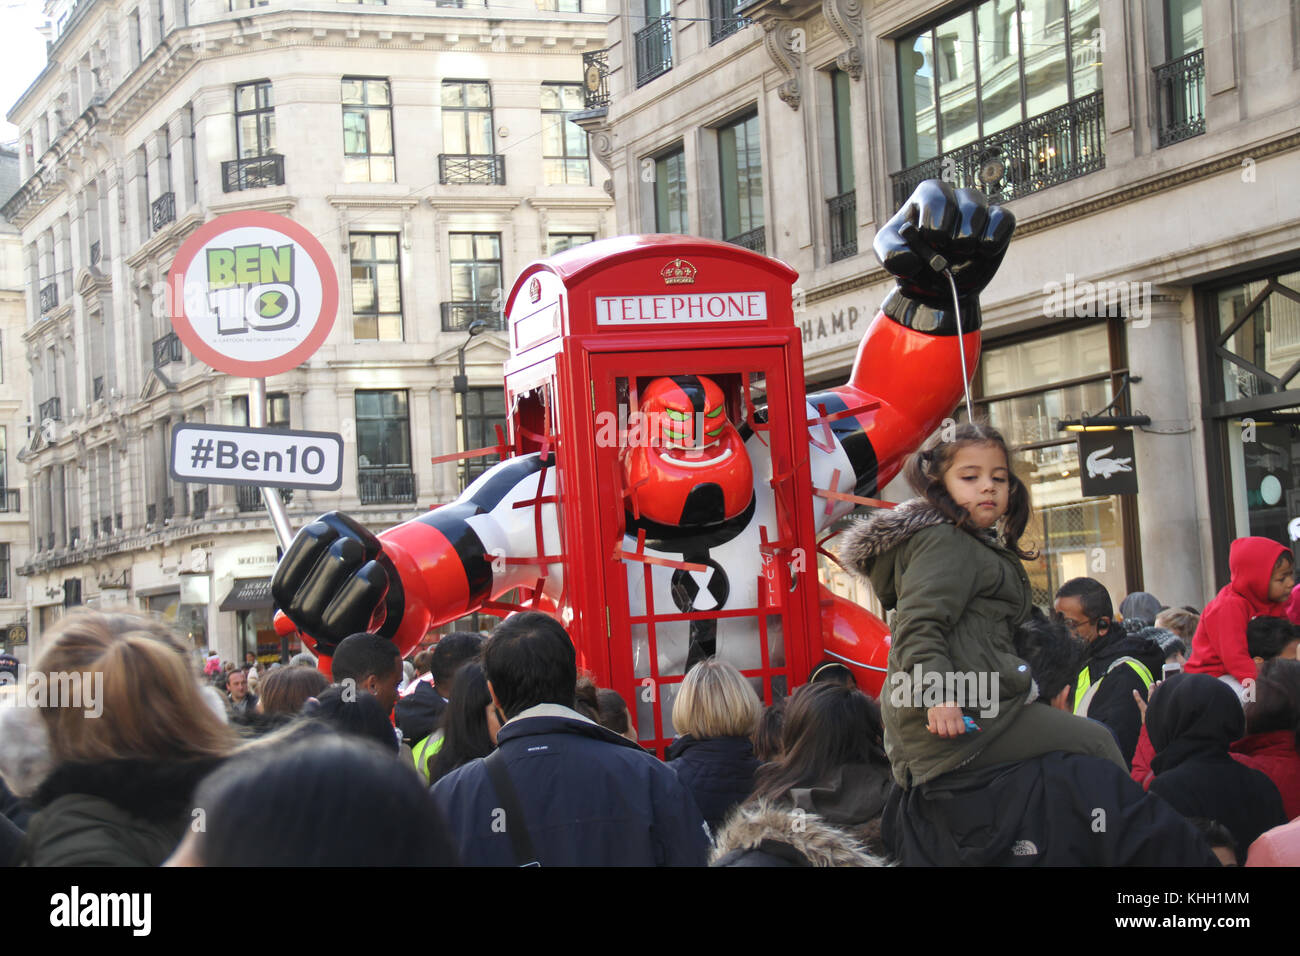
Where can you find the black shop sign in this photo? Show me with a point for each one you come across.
(1106, 463)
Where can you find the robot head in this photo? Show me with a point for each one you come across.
(692, 469)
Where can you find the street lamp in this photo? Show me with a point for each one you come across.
(460, 385)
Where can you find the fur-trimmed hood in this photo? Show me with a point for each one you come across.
(866, 539)
(789, 837)
(154, 790)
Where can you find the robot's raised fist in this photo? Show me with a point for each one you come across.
(335, 580)
(940, 227)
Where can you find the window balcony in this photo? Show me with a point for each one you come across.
(162, 211)
(724, 21)
(1180, 95)
(458, 316)
(11, 501)
(595, 79)
(654, 50)
(167, 349)
(49, 410)
(150, 514)
(249, 498)
(106, 525)
(842, 213)
(254, 172)
(74, 536)
(470, 170)
(168, 508)
(49, 297)
(393, 484)
(1060, 145)
(755, 240)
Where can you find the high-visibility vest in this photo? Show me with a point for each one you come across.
(1085, 689)
(425, 749)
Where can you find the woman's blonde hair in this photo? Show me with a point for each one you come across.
(715, 700)
(151, 708)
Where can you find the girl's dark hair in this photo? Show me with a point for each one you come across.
(1268, 637)
(613, 711)
(286, 689)
(587, 699)
(925, 471)
(464, 723)
(826, 726)
(320, 800)
(1277, 699)
(359, 716)
(767, 738)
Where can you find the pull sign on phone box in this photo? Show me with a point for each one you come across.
(224, 455)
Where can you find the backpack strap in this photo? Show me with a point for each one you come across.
(516, 824)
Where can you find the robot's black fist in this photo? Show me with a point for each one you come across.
(333, 578)
(940, 227)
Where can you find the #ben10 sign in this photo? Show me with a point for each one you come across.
(253, 294)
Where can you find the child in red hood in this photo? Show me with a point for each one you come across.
(1262, 578)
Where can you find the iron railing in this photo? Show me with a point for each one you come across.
(50, 410)
(842, 213)
(167, 349)
(96, 249)
(1057, 146)
(49, 297)
(654, 50)
(249, 498)
(395, 483)
(461, 170)
(1180, 95)
(162, 211)
(253, 172)
(595, 79)
(458, 316)
(724, 21)
(754, 240)
(11, 500)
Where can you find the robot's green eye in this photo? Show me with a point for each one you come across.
(715, 413)
(717, 431)
(677, 416)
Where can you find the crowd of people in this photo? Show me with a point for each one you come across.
(1146, 735)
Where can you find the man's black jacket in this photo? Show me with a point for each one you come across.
(1113, 703)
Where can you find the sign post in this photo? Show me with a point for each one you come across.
(254, 294)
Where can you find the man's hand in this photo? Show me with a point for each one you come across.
(945, 721)
(940, 226)
(335, 580)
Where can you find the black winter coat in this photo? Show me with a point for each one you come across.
(418, 712)
(1192, 720)
(1059, 809)
(590, 797)
(718, 771)
(1113, 703)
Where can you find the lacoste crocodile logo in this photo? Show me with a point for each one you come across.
(1106, 467)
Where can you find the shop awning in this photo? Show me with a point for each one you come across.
(248, 594)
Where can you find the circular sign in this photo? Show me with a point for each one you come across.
(1270, 489)
(252, 294)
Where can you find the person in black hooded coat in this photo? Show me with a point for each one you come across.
(1192, 720)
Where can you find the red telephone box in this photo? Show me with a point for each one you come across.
(599, 335)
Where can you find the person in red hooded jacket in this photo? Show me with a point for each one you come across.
(1262, 578)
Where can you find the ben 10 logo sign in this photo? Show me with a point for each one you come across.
(250, 287)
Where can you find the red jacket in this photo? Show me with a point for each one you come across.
(1275, 755)
(1142, 771)
(1219, 645)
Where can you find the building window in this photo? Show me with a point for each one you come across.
(277, 410)
(376, 286)
(4, 570)
(254, 119)
(842, 208)
(742, 183)
(565, 157)
(368, 131)
(560, 6)
(1180, 80)
(1065, 527)
(969, 101)
(133, 33)
(654, 42)
(384, 448)
(467, 137)
(560, 241)
(476, 292)
(670, 192)
(482, 410)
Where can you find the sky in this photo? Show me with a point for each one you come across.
(22, 53)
